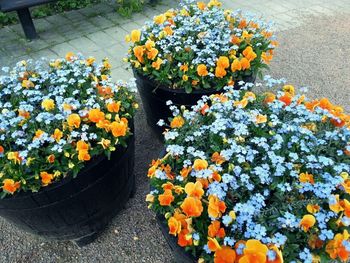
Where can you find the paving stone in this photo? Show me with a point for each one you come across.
(131, 26)
(85, 28)
(117, 33)
(36, 45)
(140, 18)
(116, 18)
(84, 44)
(7, 35)
(51, 38)
(42, 24)
(48, 54)
(74, 16)
(17, 28)
(121, 73)
(15, 48)
(101, 22)
(58, 20)
(102, 39)
(99, 55)
(150, 11)
(62, 49)
(69, 31)
(117, 53)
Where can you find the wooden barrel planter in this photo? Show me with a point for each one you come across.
(77, 209)
(154, 97)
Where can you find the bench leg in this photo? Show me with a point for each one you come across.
(27, 23)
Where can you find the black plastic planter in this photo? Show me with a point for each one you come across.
(180, 254)
(154, 97)
(78, 208)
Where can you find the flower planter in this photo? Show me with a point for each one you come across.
(154, 97)
(76, 208)
(251, 176)
(69, 168)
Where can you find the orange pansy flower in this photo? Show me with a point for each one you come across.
(200, 164)
(119, 128)
(312, 209)
(335, 206)
(225, 255)
(307, 222)
(96, 115)
(249, 53)
(183, 240)
(235, 40)
(242, 24)
(346, 185)
(84, 155)
(166, 198)
(74, 120)
(185, 171)
(192, 206)
(245, 63)
(269, 97)
(135, 35)
(57, 135)
(254, 252)
(213, 244)
(204, 182)
(51, 158)
(177, 122)
(82, 146)
(266, 57)
(10, 185)
(216, 207)
(306, 178)
(223, 62)
(325, 104)
(346, 206)
(286, 98)
(236, 65)
(174, 226)
(139, 51)
(156, 64)
(46, 178)
(204, 108)
(152, 53)
(113, 106)
(214, 230)
(194, 189)
(220, 72)
(315, 242)
(168, 30)
(217, 158)
(201, 5)
(202, 70)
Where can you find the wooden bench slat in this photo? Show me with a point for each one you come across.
(13, 5)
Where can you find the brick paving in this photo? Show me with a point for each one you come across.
(99, 30)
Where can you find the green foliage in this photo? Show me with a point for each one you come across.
(46, 10)
(127, 7)
(6, 19)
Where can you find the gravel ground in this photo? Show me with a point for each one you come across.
(316, 55)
